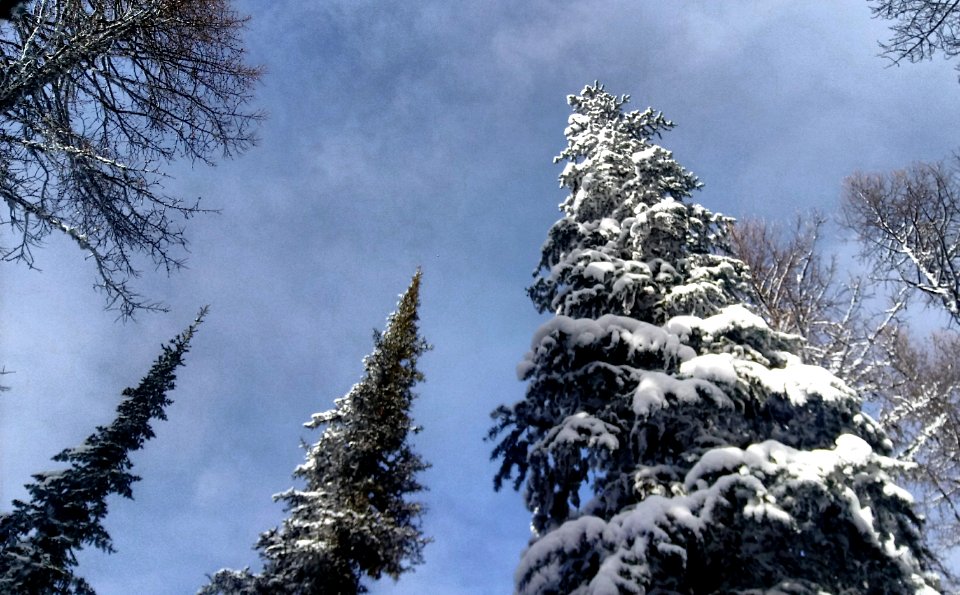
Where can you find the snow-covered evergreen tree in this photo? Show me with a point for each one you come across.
(39, 539)
(670, 441)
(354, 518)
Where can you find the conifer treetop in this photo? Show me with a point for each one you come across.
(353, 519)
(625, 221)
(39, 538)
(613, 167)
(669, 439)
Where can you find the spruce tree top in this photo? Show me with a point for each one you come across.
(354, 518)
(669, 440)
(625, 221)
(39, 539)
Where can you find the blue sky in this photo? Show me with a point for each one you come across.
(421, 134)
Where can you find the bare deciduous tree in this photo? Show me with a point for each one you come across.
(920, 28)
(908, 223)
(913, 386)
(796, 288)
(96, 96)
(923, 417)
(798, 291)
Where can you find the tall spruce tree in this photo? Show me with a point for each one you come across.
(39, 539)
(354, 518)
(669, 440)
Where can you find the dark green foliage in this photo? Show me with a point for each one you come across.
(39, 538)
(670, 441)
(353, 519)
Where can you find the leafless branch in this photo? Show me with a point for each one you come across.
(914, 386)
(96, 97)
(908, 223)
(920, 28)
(798, 291)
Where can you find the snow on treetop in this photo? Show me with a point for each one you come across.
(850, 455)
(646, 153)
(598, 270)
(796, 381)
(641, 335)
(681, 406)
(568, 538)
(577, 123)
(653, 522)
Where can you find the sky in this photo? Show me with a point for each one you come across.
(406, 134)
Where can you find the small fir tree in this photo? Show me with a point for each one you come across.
(39, 539)
(353, 519)
(670, 441)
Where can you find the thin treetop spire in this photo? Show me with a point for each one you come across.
(39, 539)
(354, 518)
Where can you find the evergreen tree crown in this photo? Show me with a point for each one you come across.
(353, 518)
(669, 439)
